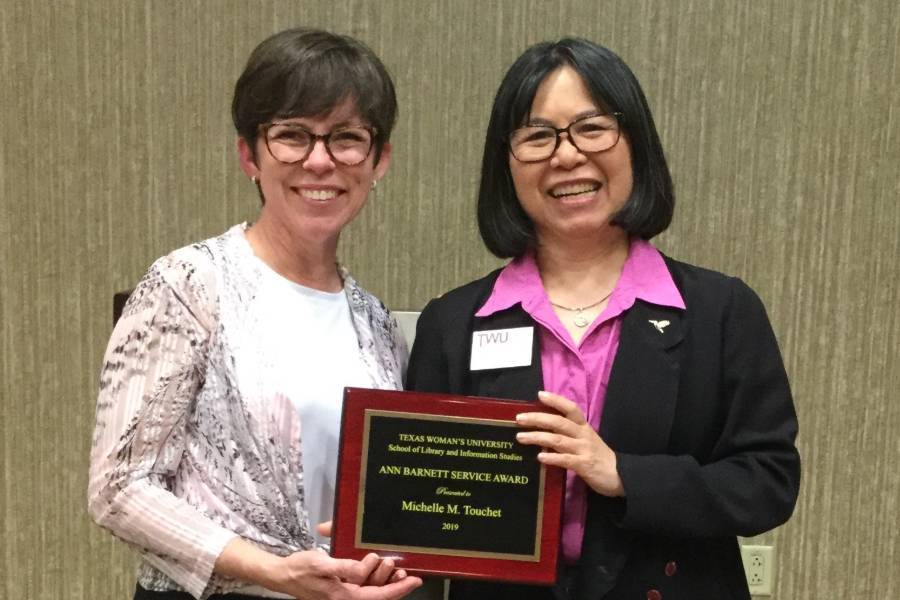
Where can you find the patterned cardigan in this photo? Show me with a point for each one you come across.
(192, 447)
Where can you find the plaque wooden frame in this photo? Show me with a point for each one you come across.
(404, 529)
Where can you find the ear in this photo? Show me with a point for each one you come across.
(247, 158)
(383, 162)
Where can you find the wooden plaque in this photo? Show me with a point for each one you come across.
(439, 483)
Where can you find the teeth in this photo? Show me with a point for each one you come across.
(318, 194)
(574, 189)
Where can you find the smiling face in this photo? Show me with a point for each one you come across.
(313, 199)
(573, 195)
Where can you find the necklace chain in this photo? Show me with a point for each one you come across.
(581, 308)
(579, 319)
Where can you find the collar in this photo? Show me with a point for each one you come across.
(644, 277)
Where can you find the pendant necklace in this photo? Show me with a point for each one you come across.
(579, 319)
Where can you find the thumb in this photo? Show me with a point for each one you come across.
(324, 529)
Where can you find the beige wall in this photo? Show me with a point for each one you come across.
(782, 125)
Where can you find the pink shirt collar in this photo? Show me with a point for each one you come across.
(644, 276)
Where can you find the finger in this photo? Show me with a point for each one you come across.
(562, 405)
(382, 572)
(529, 419)
(391, 591)
(369, 565)
(552, 441)
(324, 529)
(397, 575)
(548, 422)
(351, 571)
(556, 459)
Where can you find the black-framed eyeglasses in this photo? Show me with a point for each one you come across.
(291, 143)
(594, 133)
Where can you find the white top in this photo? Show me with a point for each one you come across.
(316, 356)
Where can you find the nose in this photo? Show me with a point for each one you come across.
(318, 160)
(567, 156)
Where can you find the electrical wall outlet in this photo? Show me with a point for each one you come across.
(759, 566)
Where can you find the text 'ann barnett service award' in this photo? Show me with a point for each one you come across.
(439, 483)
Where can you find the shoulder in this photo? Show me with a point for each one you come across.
(462, 302)
(186, 267)
(191, 269)
(705, 286)
(187, 275)
(713, 296)
(692, 278)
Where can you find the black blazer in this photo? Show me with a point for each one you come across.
(700, 417)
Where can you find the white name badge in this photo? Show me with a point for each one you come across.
(501, 348)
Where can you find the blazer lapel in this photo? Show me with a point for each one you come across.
(640, 399)
(515, 383)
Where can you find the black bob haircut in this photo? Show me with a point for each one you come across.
(505, 228)
(307, 73)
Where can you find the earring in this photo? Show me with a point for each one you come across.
(255, 180)
(374, 183)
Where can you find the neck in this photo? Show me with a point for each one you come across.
(578, 272)
(307, 262)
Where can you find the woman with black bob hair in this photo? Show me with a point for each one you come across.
(506, 229)
(675, 419)
(215, 444)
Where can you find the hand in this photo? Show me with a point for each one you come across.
(313, 575)
(384, 573)
(575, 443)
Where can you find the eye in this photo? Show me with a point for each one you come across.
(534, 136)
(594, 126)
(350, 136)
(289, 135)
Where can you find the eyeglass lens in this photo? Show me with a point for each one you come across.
(591, 134)
(292, 143)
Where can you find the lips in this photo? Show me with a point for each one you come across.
(566, 190)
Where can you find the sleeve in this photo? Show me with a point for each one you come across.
(428, 368)
(152, 370)
(400, 348)
(751, 480)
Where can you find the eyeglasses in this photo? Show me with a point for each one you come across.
(594, 133)
(291, 143)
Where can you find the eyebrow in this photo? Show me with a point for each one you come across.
(540, 122)
(294, 122)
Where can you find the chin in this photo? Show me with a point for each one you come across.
(590, 231)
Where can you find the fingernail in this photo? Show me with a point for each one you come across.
(542, 394)
(519, 436)
(519, 417)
